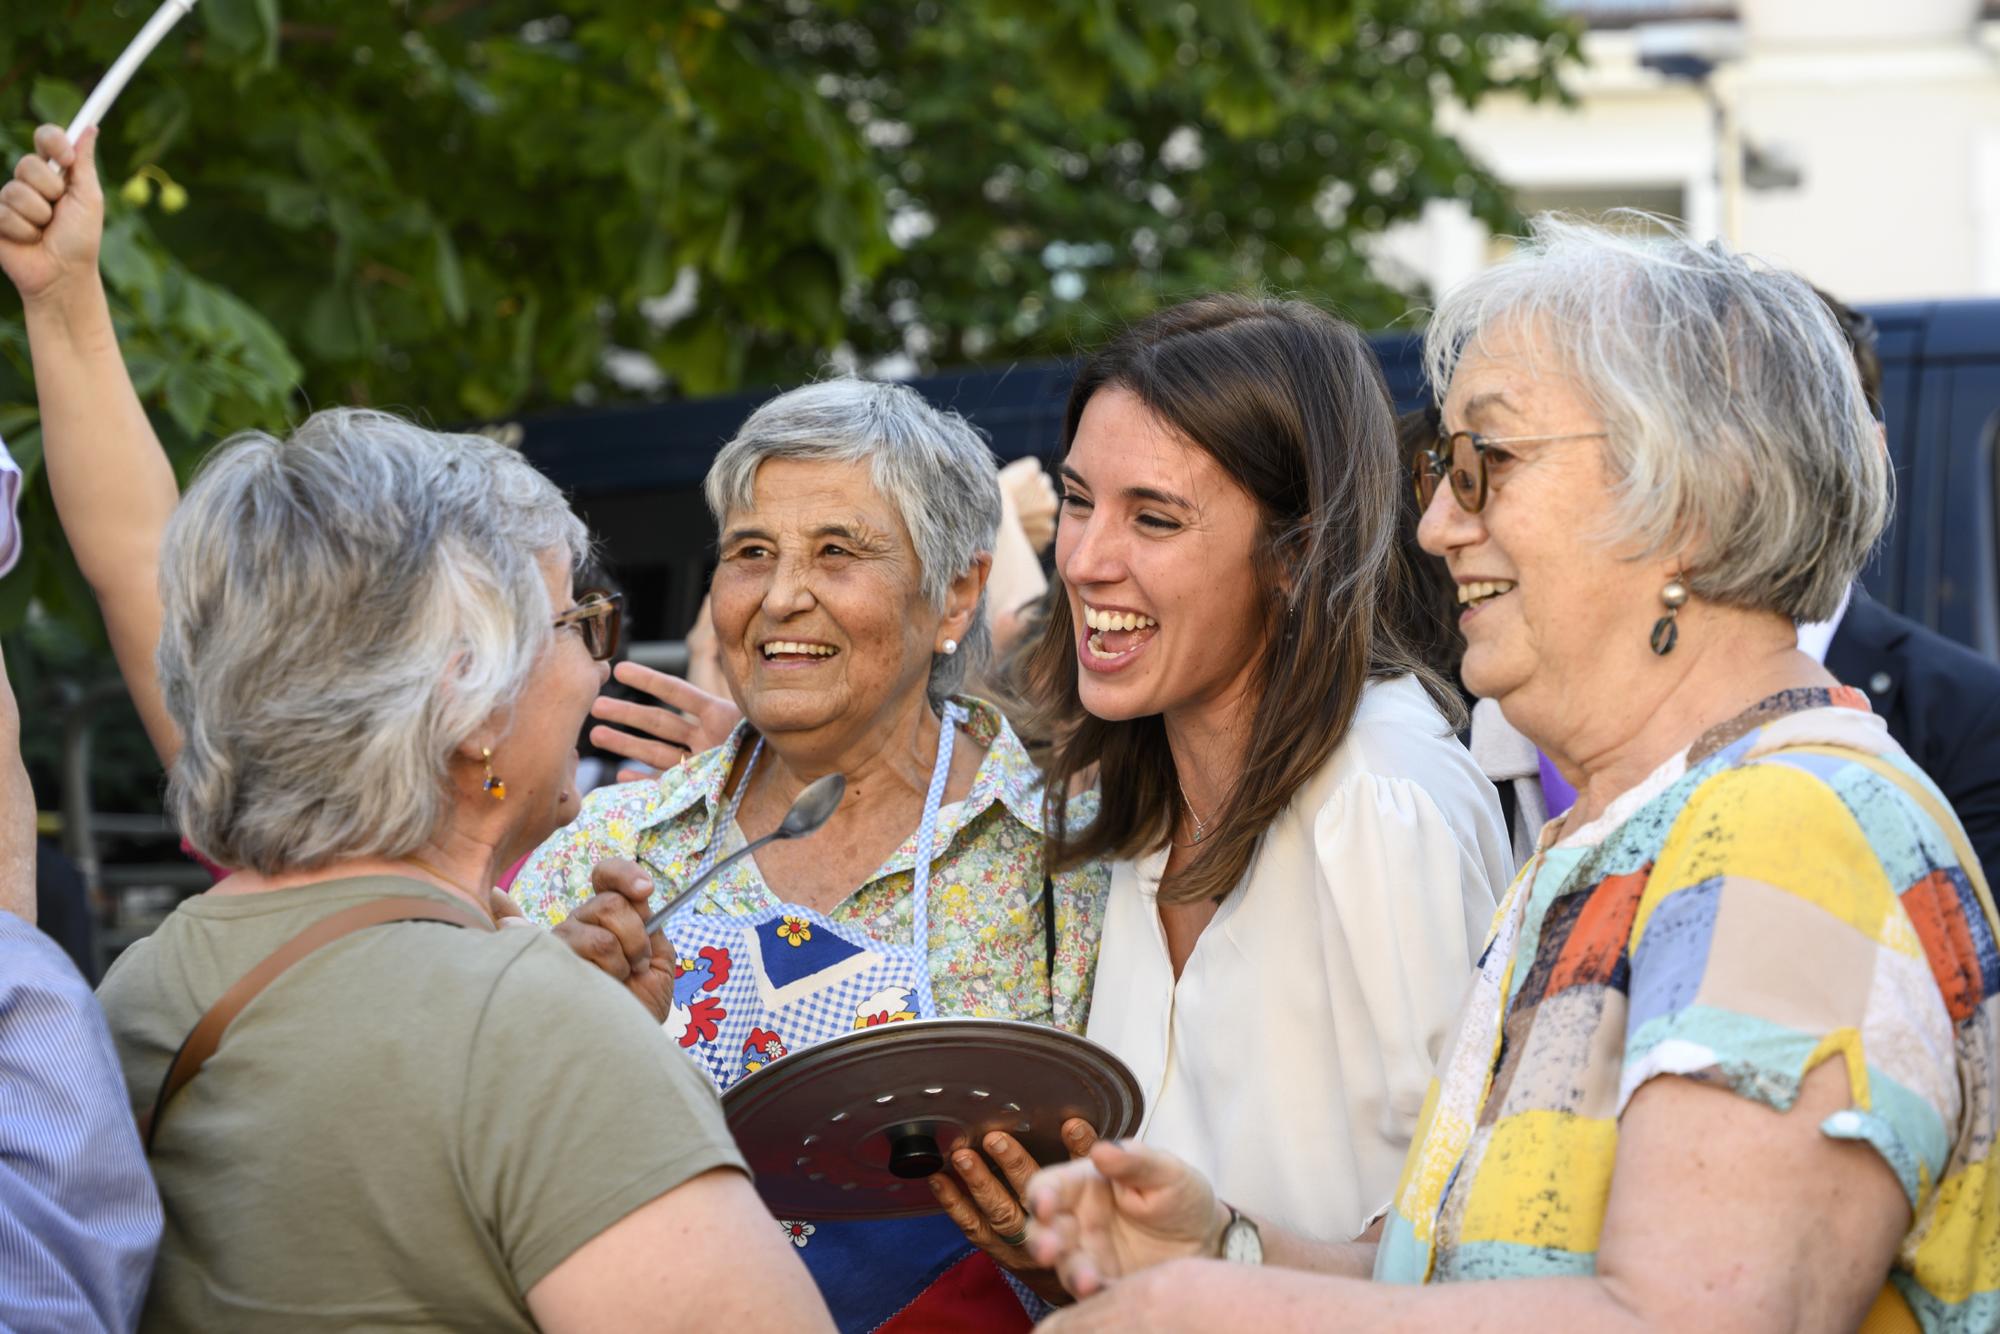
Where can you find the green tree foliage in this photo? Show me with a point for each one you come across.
(479, 207)
(474, 208)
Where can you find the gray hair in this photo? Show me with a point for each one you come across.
(343, 610)
(929, 463)
(1734, 416)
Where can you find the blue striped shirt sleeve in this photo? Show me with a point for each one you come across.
(79, 1216)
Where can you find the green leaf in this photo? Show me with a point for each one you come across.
(54, 101)
(127, 265)
(332, 327)
(527, 324)
(189, 403)
(147, 369)
(18, 587)
(26, 447)
(244, 29)
(450, 277)
(156, 122)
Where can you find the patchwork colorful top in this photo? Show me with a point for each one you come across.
(1648, 943)
(987, 946)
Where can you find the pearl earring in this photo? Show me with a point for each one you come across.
(950, 647)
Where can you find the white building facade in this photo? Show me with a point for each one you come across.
(1857, 141)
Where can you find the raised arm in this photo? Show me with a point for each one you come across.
(114, 488)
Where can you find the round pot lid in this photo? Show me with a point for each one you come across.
(850, 1128)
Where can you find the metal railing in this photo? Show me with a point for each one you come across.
(662, 655)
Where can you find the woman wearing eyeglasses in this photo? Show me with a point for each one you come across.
(1730, 1060)
(371, 673)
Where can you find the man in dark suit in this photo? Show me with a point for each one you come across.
(1940, 699)
(1942, 703)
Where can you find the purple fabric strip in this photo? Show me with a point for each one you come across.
(1556, 790)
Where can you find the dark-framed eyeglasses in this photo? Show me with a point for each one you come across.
(1460, 457)
(600, 616)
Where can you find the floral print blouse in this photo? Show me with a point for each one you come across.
(987, 946)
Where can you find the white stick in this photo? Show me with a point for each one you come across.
(121, 72)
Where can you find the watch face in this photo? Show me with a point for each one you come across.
(1241, 1243)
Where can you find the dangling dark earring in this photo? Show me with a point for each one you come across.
(496, 787)
(1667, 630)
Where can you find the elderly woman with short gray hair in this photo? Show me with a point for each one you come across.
(1729, 1061)
(856, 525)
(372, 667)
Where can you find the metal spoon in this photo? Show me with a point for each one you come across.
(812, 809)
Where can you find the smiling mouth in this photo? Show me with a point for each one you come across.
(795, 650)
(1114, 634)
(1484, 591)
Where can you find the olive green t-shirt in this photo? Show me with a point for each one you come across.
(409, 1129)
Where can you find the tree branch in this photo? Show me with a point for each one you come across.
(446, 11)
(319, 34)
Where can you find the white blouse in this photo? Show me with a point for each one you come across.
(1290, 1061)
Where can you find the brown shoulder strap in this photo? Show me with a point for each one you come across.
(203, 1038)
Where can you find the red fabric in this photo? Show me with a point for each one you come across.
(217, 873)
(971, 1296)
(507, 880)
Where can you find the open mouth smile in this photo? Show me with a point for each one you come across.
(795, 651)
(1114, 635)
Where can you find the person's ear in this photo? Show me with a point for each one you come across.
(961, 601)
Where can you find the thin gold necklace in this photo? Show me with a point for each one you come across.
(1200, 825)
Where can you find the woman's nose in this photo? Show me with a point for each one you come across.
(1445, 525)
(1092, 556)
(788, 593)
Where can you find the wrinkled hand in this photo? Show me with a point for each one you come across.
(1124, 1210)
(1035, 502)
(608, 930)
(692, 722)
(988, 1209)
(51, 224)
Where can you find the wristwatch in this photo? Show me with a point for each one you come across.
(1241, 1242)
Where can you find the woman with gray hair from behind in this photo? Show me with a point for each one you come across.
(856, 529)
(1729, 1061)
(366, 1106)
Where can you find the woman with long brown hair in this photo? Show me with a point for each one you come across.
(1304, 857)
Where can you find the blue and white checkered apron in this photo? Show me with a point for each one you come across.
(752, 989)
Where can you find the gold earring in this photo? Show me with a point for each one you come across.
(496, 787)
(1667, 630)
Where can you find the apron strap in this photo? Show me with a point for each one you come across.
(920, 873)
(206, 1035)
(724, 819)
(1049, 938)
